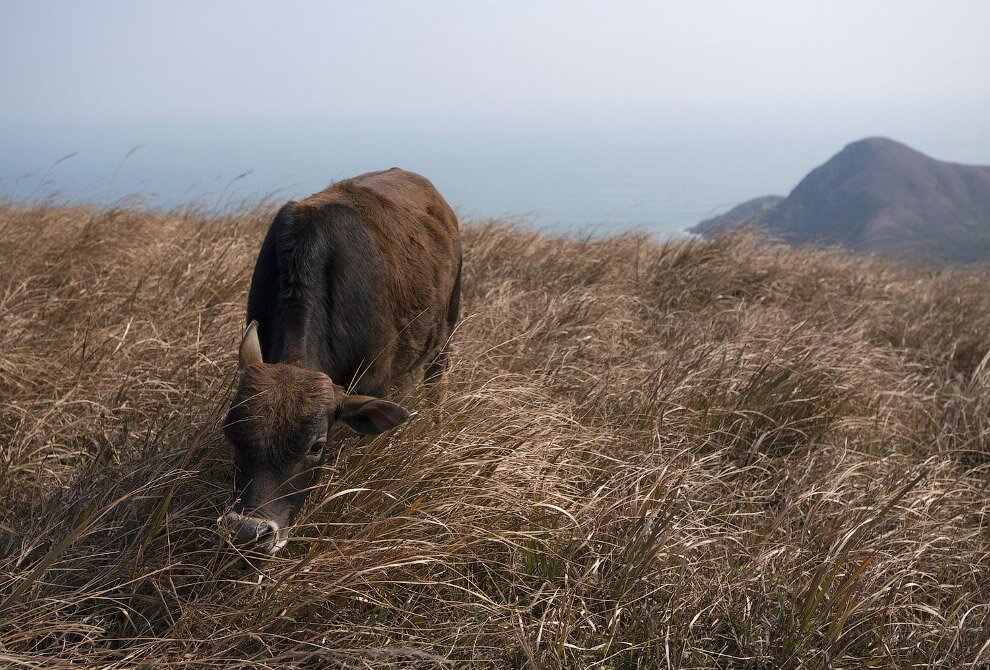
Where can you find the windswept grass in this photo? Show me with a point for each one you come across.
(695, 454)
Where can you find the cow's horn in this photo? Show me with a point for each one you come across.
(250, 353)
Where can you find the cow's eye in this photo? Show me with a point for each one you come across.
(316, 450)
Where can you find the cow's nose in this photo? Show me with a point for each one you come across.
(252, 532)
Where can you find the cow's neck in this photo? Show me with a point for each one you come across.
(304, 343)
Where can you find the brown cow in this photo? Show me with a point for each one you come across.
(356, 289)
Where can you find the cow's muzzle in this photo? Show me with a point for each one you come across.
(255, 533)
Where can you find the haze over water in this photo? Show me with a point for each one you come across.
(577, 180)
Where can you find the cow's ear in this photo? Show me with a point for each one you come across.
(250, 353)
(370, 416)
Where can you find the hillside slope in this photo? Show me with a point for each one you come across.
(749, 213)
(877, 195)
(696, 454)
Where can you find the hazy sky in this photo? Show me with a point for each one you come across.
(619, 113)
(629, 62)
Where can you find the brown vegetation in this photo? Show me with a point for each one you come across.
(693, 454)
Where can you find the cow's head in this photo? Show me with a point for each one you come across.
(278, 425)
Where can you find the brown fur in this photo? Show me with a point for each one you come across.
(274, 403)
(416, 233)
(357, 286)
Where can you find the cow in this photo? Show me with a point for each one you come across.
(356, 289)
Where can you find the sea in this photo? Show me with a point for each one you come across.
(566, 179)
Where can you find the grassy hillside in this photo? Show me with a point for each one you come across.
(697, 454)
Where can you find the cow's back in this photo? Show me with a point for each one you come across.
(381, 287)
(412, 224)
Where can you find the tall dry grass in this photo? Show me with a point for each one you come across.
(692, 454)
